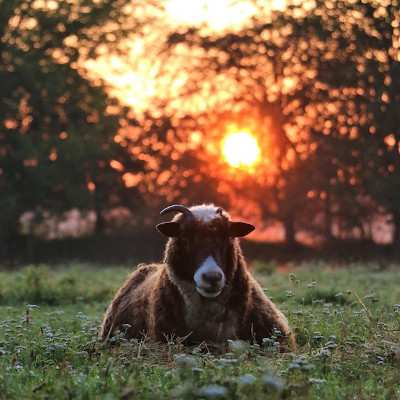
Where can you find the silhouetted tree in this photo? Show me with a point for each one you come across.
(323, 81)
(363, 73)
(56, 128)
(272, 75)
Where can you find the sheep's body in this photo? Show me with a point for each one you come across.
(146, 302)
(151, 303)
(159, 301)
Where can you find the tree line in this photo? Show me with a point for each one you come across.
(319, 84)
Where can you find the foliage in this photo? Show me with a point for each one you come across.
(174, 170)
(56, 127)
(320, 80)
(347, 348)
(365, 122)
(317, 82)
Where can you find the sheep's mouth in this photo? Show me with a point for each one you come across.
(209, 292)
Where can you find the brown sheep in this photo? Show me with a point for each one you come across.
(202, 291)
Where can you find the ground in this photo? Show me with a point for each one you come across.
(347, 321)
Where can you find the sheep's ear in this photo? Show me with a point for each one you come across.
(170, 229)
(239, 229)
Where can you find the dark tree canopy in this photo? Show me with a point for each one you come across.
(56, 128)
(323, 82)
(317, 83)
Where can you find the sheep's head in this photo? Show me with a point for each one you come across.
(201, 249)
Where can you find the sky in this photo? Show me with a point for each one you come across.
(134, 79)
(219, 14)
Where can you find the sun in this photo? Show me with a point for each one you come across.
(240, 149)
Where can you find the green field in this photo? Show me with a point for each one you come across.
(347, 323)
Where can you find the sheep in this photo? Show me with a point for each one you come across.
(202, 291)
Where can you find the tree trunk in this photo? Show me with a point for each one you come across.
(396, 229)
(11, 240)
(98, 209)
(100, 222)
(328, 219)
(290, 232)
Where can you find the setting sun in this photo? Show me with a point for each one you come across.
(240, 149)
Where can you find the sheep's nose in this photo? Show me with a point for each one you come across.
(212, 276)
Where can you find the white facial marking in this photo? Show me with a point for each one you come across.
(202, 286)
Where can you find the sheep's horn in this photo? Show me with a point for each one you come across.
(177, 208)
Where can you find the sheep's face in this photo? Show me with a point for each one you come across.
(201, 250)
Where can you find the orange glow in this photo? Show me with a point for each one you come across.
(116, 165)
(53, 155)
(131, 180)
(135, 82)
(390, 141)
(240, 149)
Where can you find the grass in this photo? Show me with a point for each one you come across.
(347, 323)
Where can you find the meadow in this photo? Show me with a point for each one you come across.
(346, 318)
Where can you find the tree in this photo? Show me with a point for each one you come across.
(56, 131)
(380, 102)
(272, 73)
(322, 80)
(174, 170)
(365, 62)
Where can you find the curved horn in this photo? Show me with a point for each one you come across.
(177, 208)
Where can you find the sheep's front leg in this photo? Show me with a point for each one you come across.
(265, 320)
